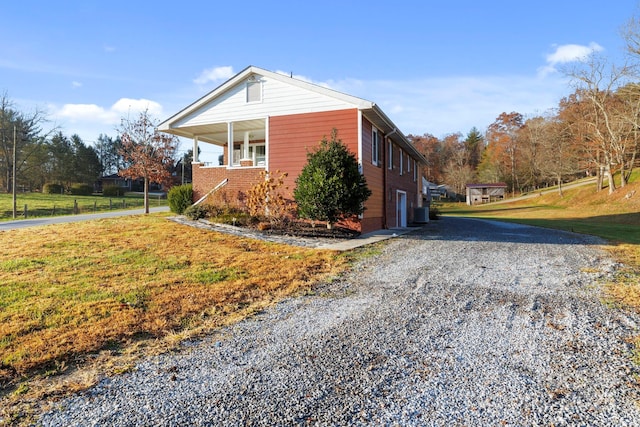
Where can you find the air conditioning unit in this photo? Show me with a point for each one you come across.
(421, 215)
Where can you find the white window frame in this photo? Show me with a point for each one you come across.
(415, 171)
(401, 161)
(408, 163)
(375, 147)
(390, 166)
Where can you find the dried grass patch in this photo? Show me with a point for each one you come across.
(69, 294)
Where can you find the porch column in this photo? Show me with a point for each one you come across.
(195, 149)
(245, 147)
(266, 143)
(230, 143)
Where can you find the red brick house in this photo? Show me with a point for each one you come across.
(269, 121)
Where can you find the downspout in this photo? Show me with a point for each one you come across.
(384, 176)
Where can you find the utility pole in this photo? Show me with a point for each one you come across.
(13, 183)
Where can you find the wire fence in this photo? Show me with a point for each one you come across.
(75, 206)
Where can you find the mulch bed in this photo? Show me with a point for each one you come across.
(306, 229)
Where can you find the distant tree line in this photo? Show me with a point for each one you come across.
(55, 158)
(594, 131)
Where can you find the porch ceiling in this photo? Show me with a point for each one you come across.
(216, 133)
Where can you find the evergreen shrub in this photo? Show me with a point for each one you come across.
(180, 197)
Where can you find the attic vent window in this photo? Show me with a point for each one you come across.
(254, 90)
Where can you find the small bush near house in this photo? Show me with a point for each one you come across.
(195, 212)
(52, 188)
(236, 218)
(113, 191)
(180, 198)
(265, 200)
(79, 189)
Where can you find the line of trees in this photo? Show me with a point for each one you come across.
(594, 131)
(54, 158)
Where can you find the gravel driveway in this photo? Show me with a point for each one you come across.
(466, 322)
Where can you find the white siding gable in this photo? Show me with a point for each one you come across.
(278, 99)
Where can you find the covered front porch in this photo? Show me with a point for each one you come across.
(244, 142)
(244, 145)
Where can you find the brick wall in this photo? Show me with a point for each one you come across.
(240, 179)
(395, 181)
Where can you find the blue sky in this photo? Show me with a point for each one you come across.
(433, 67)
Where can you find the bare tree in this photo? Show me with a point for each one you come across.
(27, 139)
(502, 137)
(149, 152)
(596, 82)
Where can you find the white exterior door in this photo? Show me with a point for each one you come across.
(401, 209)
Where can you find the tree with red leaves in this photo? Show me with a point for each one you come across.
(150, 153)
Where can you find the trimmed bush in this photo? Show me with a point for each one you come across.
(52, 188)
(113, 191)
(80, 189)
(180, 198)
(330, 186)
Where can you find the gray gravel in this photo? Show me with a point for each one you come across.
(465, 322)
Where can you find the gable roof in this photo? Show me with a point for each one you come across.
(369, 109)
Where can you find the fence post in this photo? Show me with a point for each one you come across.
(94, 206)
(110, 204)
(75, 207)
(53, 212)
(124, 204)
(25, 211)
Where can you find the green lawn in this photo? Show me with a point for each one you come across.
(39, 205)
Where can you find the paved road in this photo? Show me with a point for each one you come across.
(24, 223)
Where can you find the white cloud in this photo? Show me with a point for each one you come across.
(446, 105)
(109, 49)
(76, 84)
(90, 120)
(214, 74)
(75, 113)
(126, 106)
(567, 53)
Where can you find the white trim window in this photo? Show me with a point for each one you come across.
(375, 147)
(390, 166)
(401, 161)
(408, 163)
(254, 91)
(415, 171)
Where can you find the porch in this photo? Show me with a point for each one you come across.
(244, 142)
(235, 181)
